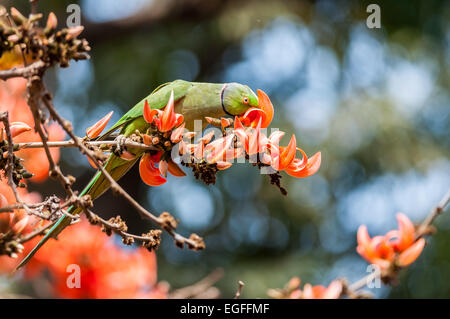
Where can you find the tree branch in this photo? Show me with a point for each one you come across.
(24, 72)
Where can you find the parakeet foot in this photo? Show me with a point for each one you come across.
(120, 147)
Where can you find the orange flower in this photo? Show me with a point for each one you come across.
(279, 157)
(165, 120)
(13, 100)
(106, 270)
(264, 112)
(333, 291)
(18, 220)
(397, 246)
(376, 250)
(151, 175)
(17, 223)
(12, 222)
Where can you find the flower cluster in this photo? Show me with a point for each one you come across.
(292, 291)
(247, 139)
(398, 248)
(106, 270)
(173, 143)
(21, 37)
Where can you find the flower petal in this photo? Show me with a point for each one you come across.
(407, 257)
(52, 21)
(20, 225)
(297, 165)
(179, 118)
(17, 128)
(288, 153)
(163, 167)
(311, 167)
(240, 132)
(175, 170)
(333, 291)
(252, 117)
(224, 122)
(207, 137)
(97, 128)
(155, 158)
(168, 118)
(308, 292)
(91, 162)
(127, 156)
(218, 148)
(364, 247)
(221, 165)
(149, 173)
(148, 113)
(177, 134)
(406, 232)
(362, 236)
(3, 201)
(275, 137)
(266, 106)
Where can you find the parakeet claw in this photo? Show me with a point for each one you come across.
(120, 146)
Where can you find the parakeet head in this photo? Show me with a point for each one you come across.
(238, 98)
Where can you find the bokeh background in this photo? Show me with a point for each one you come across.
(376, 102)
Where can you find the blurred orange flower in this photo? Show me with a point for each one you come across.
(397, 246)
(14, 58)
(106, 269)
(19, 222)
(13, 100)
(333, 291)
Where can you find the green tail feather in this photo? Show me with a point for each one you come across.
(117, 167)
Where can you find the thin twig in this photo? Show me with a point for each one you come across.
(94, 218)
(70, 143)
(35, 233)
(239, 291)
(198, 288)
(423, 228)
(24, 72)
(35, 87)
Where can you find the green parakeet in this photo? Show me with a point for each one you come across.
(194, 101)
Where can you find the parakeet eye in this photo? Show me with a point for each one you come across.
(245, 100)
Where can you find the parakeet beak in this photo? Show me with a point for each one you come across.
(264, 111)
